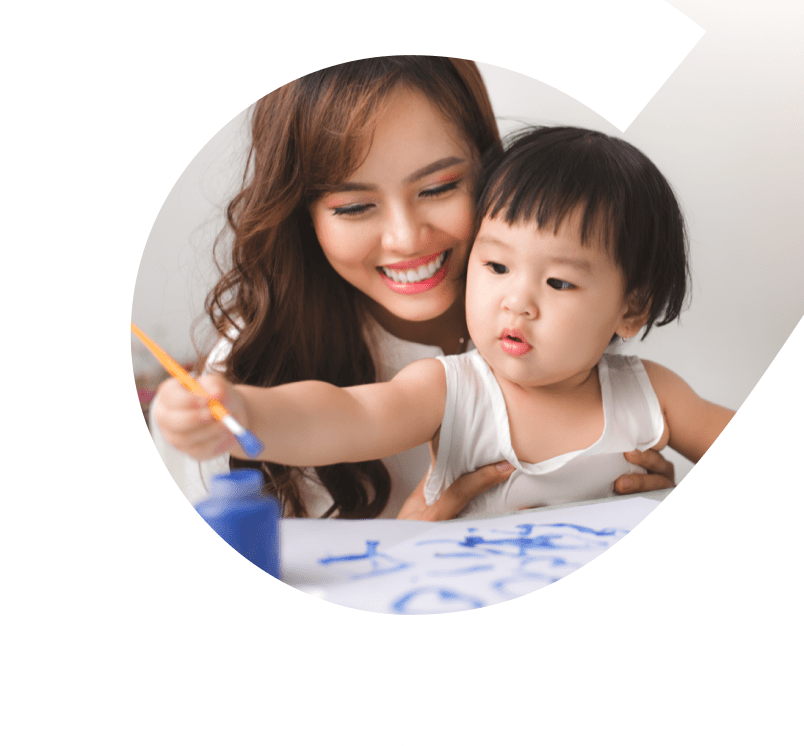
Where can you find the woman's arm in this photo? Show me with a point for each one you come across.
(312, 423)
(693, 423)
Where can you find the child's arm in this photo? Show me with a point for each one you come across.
(311, 423)
(693, 423)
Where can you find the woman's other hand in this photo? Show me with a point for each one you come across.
(661, 474)
(186, 422)
(457, 496)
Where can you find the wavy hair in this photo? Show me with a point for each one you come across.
(288, 314)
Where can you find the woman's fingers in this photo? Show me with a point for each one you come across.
(634, 483)
(464, 489)
(660, 476)
(654, 462)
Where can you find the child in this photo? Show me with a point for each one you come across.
(580, 241)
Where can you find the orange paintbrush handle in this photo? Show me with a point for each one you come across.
(177, 371)
(249, 442)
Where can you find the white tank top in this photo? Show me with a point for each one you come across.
(475, 431)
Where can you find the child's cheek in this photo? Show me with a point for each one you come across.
(474, 304)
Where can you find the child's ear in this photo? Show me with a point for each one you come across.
(636, 314)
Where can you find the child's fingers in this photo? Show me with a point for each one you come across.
(172, 396)
(203, 446)
(216, 386)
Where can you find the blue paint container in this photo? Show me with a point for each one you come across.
(248, 520)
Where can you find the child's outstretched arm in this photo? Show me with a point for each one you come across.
(693, 423)
(310, 423)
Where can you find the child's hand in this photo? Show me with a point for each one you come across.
(186, 422)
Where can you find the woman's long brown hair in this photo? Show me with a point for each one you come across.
(288, 314)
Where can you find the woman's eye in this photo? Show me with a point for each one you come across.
(559, 284)
(441, 189)
(497, 269)
(349, 210)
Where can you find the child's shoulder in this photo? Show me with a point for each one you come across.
(428, 371)
(661, 378)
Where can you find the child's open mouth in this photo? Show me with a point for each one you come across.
(416, 275)
(513, 342)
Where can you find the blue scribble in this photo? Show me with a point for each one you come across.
(534, 573)
(522, 541)
(418, 601)
(461, 570)
(506, 562)
(381, 564)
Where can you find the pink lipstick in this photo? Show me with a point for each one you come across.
(420, 286)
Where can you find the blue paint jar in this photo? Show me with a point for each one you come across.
(248, 520)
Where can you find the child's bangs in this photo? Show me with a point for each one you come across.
(548, 191)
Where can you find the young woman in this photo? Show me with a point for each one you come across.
(349, 242)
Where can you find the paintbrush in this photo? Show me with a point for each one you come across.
(249, 442)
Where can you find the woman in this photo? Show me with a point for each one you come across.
(349, 241)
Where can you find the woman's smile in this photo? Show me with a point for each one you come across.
(416, 275)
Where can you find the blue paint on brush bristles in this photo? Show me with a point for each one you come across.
(250, 443)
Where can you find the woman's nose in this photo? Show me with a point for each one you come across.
(403, 231)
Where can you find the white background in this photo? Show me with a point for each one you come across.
(128, 621)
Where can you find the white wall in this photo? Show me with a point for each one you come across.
(726, 131)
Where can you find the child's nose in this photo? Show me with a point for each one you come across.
(521, 302)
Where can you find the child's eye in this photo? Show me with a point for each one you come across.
(559, 284)
(497, 269)
(440, 189)
(351, 210)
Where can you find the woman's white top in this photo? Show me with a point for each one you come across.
(475, 432)
(406, 469)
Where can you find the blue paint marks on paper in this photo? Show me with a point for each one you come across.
(459, 565)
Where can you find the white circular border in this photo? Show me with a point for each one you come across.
(204, 610)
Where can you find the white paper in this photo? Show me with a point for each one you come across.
(413, 567)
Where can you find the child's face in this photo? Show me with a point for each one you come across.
(541, 307)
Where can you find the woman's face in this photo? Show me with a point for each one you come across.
(399, 228)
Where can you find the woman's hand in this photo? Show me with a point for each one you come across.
(457, 496)
(661, 473)
(186, 422)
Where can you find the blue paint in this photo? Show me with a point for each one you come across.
(422, 597)
(250, 443)
(239, 512)
(531, 556)
(461, 571)
(522, 541)
(376, 561)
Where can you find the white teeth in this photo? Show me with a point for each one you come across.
(425, 272)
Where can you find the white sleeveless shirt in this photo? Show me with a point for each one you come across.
(475, 431)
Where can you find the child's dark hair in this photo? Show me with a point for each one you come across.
(547, 172)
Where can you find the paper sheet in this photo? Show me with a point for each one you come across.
(413, 567)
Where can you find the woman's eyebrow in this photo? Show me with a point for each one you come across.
(430, 168)
(433, 167)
